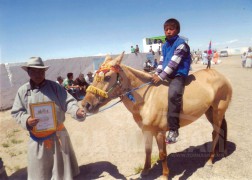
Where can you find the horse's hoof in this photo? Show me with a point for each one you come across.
(209, 164)
(163, 177)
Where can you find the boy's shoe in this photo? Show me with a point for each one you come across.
(172, 136)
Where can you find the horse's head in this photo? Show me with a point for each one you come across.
(106, 85)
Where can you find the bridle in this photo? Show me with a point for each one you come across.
(100, 74)
(105, 94)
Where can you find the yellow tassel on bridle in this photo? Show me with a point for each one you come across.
(100, 74)
(97, 91)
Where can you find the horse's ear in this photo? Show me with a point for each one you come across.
(119, 58)
(107, 58)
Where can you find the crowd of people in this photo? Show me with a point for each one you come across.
(213, 57)
(206, 57)
(77, 88)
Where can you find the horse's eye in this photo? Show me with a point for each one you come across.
(107, 78)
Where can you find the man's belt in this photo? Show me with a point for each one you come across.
(45, 135)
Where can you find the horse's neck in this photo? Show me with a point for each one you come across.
(135, 77)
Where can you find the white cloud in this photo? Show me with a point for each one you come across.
(102, 54)
(232, 41)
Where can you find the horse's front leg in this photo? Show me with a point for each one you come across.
(160, 137)
(148, 149)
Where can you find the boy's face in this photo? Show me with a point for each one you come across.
(170, 31)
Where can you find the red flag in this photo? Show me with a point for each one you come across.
(209, 48)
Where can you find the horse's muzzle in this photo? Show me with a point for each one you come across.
(88, 107)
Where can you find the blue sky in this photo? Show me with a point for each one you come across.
(76, 28)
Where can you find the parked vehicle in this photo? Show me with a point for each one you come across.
(223, 53)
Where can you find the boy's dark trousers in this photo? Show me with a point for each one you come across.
(175, 96)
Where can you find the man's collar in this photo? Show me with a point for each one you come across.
(37, 86)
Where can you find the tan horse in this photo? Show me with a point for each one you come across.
(206, 91)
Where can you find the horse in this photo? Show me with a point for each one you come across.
(206, 92)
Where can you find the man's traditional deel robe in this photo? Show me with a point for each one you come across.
(57, 161)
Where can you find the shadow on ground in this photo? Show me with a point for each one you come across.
(186, 162)
(20, 174)
(88, 171)
(183, 163)
(97, 170)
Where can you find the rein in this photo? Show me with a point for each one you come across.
(126, 93)
(134, 89)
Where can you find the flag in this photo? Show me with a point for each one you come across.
(209, 48)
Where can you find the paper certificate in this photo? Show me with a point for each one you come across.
(46, 114)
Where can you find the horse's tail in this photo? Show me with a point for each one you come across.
(221, 145)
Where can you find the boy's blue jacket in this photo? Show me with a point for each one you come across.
(168, 51)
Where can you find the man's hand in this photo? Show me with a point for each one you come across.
(81, 113)
(155, 79)
(32, 121)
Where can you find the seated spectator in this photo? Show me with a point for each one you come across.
(147, 66)
(68, 83)
(89, 78)
(151, 50)
(132, 49)
(137, 49)
(81, 82)
(155, 64)
(59, 80)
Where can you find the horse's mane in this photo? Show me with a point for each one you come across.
(141, 75)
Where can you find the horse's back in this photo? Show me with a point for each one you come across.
(200, 93)
(204, 89)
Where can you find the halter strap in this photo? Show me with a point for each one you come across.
(101, 92)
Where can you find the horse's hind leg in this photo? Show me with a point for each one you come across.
(219, 134)
(160, 138)
(148, 138)
(221, 144)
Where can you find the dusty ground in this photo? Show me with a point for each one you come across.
(109, 145)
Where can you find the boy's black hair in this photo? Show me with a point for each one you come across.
(173, 22)
(59, 78)
(69, 75)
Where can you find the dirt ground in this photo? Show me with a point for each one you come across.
(109, 145)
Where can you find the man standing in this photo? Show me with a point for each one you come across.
(50, 153)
